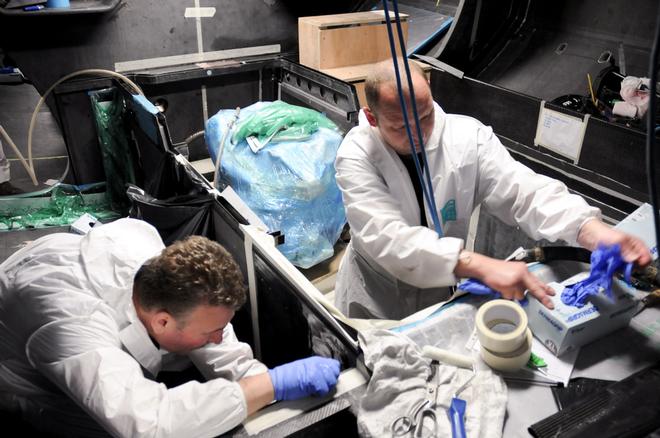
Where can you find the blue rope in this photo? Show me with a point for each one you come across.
(427, 191)
(414, 107)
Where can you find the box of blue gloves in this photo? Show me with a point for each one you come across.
(568, 327)
(592, 304)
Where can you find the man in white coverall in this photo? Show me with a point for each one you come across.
(87, 322)
(395, 265)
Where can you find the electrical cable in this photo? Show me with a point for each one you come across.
(650, 129)
(427, 190)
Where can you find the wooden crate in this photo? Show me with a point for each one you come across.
(356, 75)
(341, 40)
(346, 46)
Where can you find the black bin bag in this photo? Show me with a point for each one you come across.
(176, 217)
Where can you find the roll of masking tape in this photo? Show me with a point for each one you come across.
(501, 326)
(509, 362)
(506, 341)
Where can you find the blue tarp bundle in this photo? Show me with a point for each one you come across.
(289, 184)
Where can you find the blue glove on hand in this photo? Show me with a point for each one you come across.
(311, 376)
(475, 287)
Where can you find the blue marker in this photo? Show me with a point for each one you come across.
(33, 8)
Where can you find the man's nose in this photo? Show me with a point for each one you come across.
(216, 338)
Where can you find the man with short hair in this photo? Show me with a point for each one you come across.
(88, 322)
(396, 264)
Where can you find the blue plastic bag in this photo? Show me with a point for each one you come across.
(290, 185)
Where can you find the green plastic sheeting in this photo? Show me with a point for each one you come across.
(118, 157)
(283, 122)
(60, 209)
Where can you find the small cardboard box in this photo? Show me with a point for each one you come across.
(640, 223)
(567, 327)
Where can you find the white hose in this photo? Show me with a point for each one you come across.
(25, 164)
(95, 71)
(221, 146)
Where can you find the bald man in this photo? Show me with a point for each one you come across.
(396, 264)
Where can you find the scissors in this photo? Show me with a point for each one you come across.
(414, 421)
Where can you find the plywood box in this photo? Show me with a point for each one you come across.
(341, 40)
(356, 75)
(346, 46)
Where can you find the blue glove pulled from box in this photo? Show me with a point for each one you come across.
(605, 262)
(311, 376)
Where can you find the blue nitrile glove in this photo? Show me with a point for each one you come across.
(605, 262)
(314, 375)
(475, 287)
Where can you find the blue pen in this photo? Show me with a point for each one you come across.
(33, 8)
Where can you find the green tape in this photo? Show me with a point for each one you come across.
(536, 362)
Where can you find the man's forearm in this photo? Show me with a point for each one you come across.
(590, 232)
(469, 265)
(258, 391)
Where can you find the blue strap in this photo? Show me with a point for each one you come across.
(426, 189)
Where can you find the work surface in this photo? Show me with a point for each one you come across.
(613, 357)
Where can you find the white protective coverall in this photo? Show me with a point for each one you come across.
(69, 332)
(394, 267)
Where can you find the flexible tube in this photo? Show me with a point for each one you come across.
(221, 146)
(194, 136)
(33, 120)
(20, 156)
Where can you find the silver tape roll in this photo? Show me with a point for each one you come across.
(509, 362)
(501, 326)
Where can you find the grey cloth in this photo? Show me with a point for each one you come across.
(398, 383)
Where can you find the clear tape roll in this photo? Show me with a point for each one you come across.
(499, 312)
(512, 361)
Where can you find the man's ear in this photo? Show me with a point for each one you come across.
(161, 322)
(371, 118)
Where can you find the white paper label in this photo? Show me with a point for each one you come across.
(561, 133)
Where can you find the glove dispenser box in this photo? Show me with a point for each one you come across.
(567, 327)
